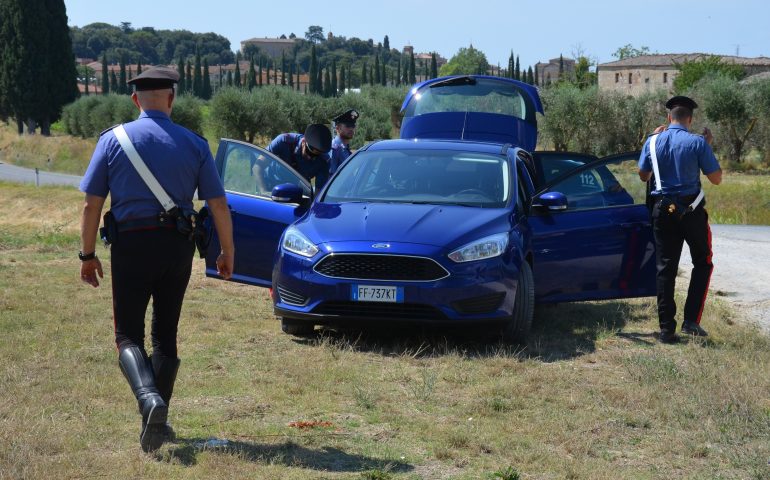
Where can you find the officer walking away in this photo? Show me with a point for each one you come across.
(306, 153)
(345, 128)
(677, 157)
(150, 257)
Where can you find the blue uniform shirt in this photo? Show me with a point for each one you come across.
(681, 157)
(179, 159)
(340, 153)
(288, 146)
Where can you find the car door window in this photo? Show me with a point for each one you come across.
(610, 183)
(253, 171)
(551, 165)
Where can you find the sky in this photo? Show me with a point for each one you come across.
(534, 30)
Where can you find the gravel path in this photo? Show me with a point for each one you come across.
(741, 269)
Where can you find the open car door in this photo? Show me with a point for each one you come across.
(592, 235)
(249, 174)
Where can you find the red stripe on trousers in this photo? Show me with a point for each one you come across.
(708, 282)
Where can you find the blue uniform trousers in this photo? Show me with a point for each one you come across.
(150, 264)
(670, 234)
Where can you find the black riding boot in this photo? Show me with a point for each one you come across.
(138, 371)
(165, 369)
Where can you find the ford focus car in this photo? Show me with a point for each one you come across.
(458, 222)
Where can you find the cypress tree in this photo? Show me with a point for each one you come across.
(561, 67)
(85, 79)
(291, 74)
(364, 69)
(371, 76)
(342, 85)
(206, 89)
(189, 78)
(283, 68)
(105, 75)
(259, 74)
(327, 83)
(237, 74)
(138, 67)
(313, 73)
(267, 77)
(180, 71)
(412, 78)
(251, 81)
(220, 76)
(229, 78)
(61, 80)
(275, 74)
(122, 87)
(197, 87)
(319, 83)
(398, 73)
(530, 76)
(518, 69)
(113, 82)
(130, 76)
(298, 82)
(511, 67)
(377, 79)
(384, 75)
(334, 77)
(433, 65)
(537, 80)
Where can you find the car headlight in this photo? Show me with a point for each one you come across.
(295, 242)
(487, 247)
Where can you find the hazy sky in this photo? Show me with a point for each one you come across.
(535, 30)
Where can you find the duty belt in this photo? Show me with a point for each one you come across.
(147, 223)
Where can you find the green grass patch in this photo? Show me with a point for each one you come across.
(592, 395)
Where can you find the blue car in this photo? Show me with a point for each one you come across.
(458, 222)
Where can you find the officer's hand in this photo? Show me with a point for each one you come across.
(88, 271)
(707, 135)
(660, 129)
(225, 265)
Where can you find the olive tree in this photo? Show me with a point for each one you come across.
(726, 103)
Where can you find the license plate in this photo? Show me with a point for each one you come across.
(377, 293)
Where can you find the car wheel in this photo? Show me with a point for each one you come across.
(518, 326)
(297, 328)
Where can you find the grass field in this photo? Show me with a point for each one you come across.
(592, 396)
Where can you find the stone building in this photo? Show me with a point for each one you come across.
(644, 73)
(272, 47)
(550, 71)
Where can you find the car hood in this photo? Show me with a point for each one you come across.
(437, 225)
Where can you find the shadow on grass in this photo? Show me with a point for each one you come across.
(559, 332)
(185, 451)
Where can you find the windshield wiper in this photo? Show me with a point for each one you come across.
(451, 82)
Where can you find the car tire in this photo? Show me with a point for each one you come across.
(518, 326)
(296, 328)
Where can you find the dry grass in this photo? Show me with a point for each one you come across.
(591, 396)
(58, 153)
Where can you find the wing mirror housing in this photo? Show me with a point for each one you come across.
(553, 201)
(286, 193)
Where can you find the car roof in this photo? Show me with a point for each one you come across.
(433, 144)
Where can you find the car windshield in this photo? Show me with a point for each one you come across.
(471, 95)
(439, 177)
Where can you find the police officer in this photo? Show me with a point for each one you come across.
(677, 157)
(150, 257)
(345, 127)
(306, 153)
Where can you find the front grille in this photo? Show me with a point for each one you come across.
(396, 311)
(381, 267)
(291, 298)
(481, 304)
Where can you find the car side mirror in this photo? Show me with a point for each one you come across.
(286, 193)
(553, 201)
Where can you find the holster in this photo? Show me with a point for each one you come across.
(671, 207)
(109, 231)
(191, 224)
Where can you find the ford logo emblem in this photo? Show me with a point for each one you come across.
(381, 245)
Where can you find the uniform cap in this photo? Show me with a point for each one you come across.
(319, 137)
(346, 118)
(155, 78)
(681, 101)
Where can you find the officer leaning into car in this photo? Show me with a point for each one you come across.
(150, 258)
(345, 128)
(306, 153)
(679, 214)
